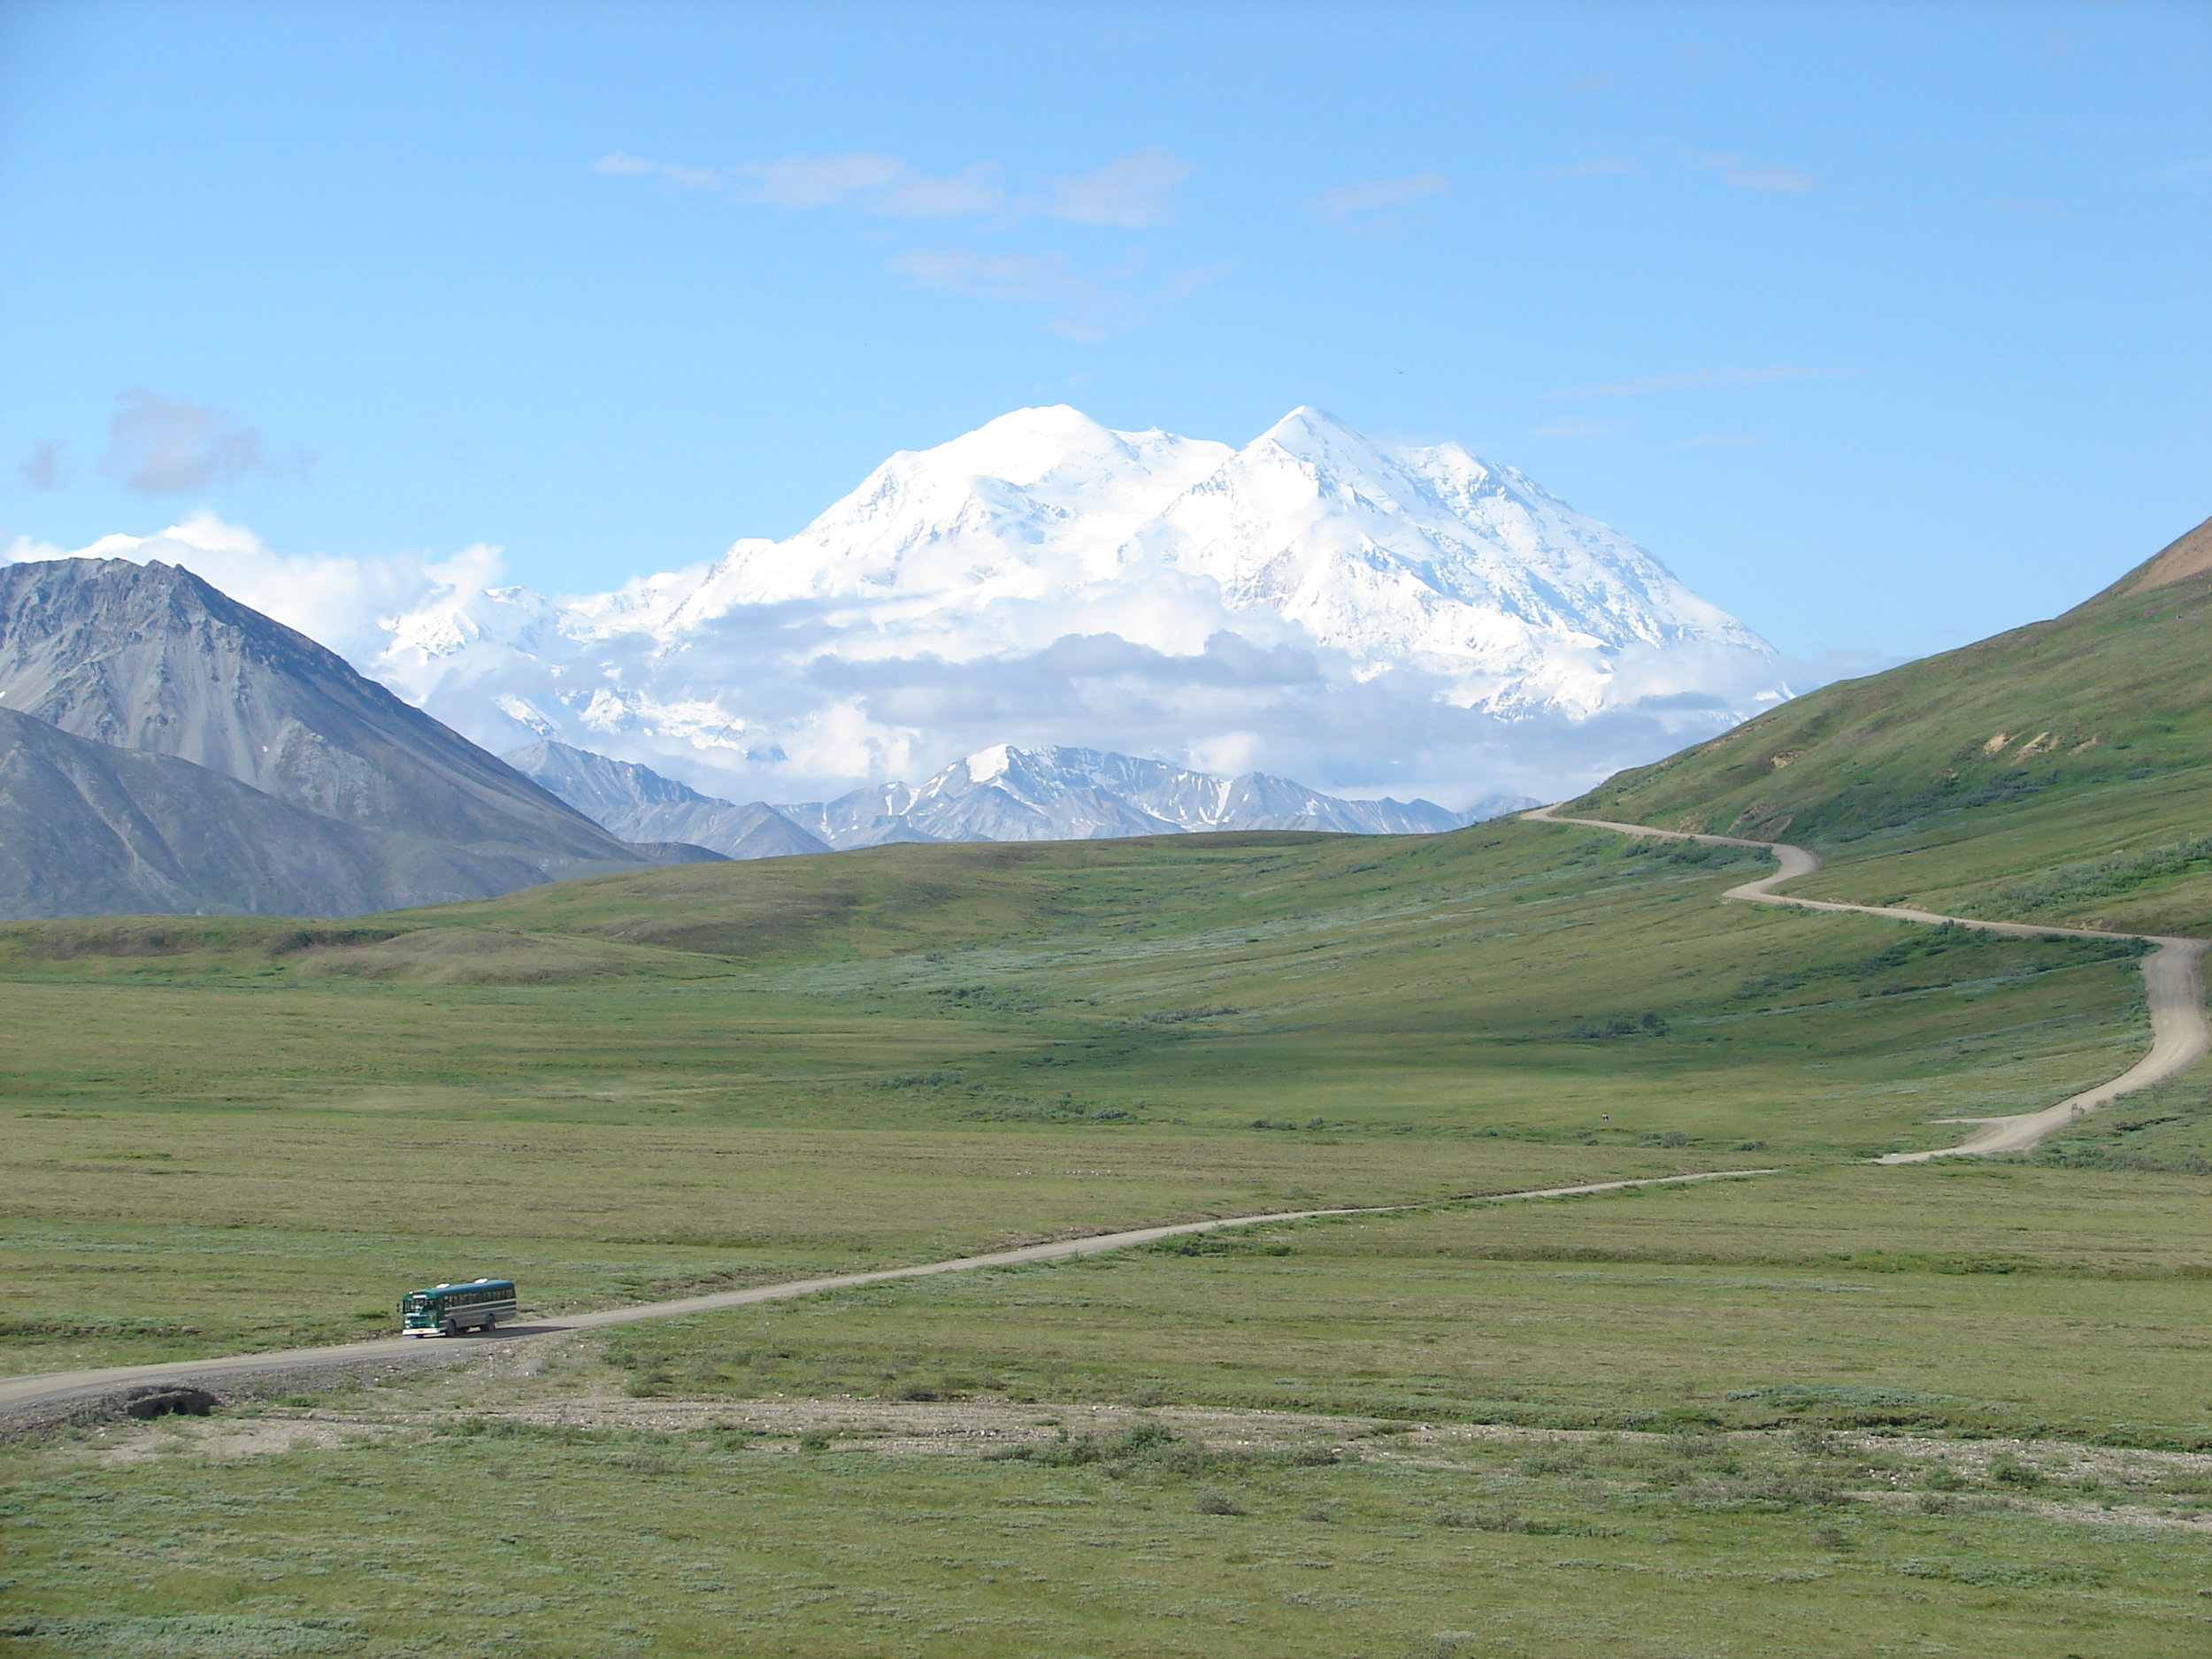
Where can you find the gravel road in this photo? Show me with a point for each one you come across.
(2173, 980)
(57, 1396)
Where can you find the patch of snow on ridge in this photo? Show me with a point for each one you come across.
(988, 764)
(1378, 618)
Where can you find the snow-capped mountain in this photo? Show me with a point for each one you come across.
(1006, 793)
(1001, 793)
(1372, 615)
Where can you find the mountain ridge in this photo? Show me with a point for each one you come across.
(164, 746)
(1004, 792)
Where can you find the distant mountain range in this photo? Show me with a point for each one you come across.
(1014, 617)
(1319, 604)
(163, 748)
(637, 803)
(999, 794)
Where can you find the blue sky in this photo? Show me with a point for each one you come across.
(1883, 325)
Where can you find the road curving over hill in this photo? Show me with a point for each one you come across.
(88, 1389)
(2173, 983)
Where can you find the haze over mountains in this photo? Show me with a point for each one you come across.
(1366, 617)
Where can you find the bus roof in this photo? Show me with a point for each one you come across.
(473, 1284)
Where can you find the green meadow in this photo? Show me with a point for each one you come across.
(486, 1536)
(1854, 1411)
(230, 1133)
(226, 1135)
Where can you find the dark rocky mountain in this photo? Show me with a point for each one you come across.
(637, 804)
(88, 829)
(149, 657)
(166, 748)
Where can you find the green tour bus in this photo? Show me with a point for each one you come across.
(450, 1310)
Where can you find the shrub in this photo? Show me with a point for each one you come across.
(2007, 1470)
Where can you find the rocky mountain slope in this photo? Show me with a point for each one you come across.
(151, 658)
(638, 804)
(999, 793)
(166, 748)
(89, 829)
(1317, 604)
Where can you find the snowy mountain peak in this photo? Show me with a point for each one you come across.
(1029, 445)
(1315, 436)
(1315, 603)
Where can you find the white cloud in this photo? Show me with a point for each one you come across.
(992, 276)
(818, 181)
(621, 162)
(171, 446)
(1696, 378)
(2034, 210)
(1589, 169)
(1752, 175)
(972, 191)
(1373, 193)
(1127, 193)
(1130, 191)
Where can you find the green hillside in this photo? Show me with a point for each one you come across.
(2061, 771)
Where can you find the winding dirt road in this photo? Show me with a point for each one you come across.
(2173, 982)
(52, 1387)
